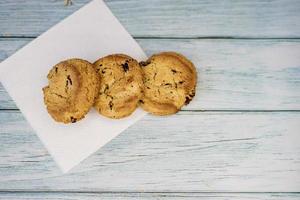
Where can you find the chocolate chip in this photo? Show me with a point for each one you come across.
(192, 95)
(60, 96)
(144, 63)
(110, 96)
(69, 79)
(111, 105)
(130, 79)
(141, 101)
(187, 100)
(168, 84)
(125, 67)
(180, 82)
(154, 75)
(56, 69)
(189, 97)
(103, 70)
(174, 71)
(73, 120)
(106, 88)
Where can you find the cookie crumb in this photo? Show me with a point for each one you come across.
(68, 2)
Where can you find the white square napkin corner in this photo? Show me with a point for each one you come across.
(89, 33)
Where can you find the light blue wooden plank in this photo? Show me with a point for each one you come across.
(148, 196)
(189, 151)
(7, 48)
(233, 74)
(166, 18)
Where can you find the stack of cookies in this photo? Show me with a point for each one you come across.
(117, 84)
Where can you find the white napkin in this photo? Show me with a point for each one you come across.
(89, 33)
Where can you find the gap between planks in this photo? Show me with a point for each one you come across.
(138, 192)
(174, 38)
(169, 196)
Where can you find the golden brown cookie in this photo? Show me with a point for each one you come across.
(169, 83)
(120, 86)
(73, 86)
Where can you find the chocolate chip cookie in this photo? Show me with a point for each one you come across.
(120, 86)
(73, 86)
(169, 83)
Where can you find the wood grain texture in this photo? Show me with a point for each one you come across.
(167, 18)
(190, 151)
(233, 74)
(148, 196)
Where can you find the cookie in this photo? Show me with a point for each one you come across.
(169, 83)
(120, 86)
(73, 86)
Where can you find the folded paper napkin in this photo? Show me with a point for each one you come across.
(89, 33)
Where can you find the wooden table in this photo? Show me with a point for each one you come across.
(238, 139)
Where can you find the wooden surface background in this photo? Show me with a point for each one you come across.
(238, 139)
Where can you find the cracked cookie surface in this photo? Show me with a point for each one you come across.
(73, 86)
(169, 83)
(120, 86)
